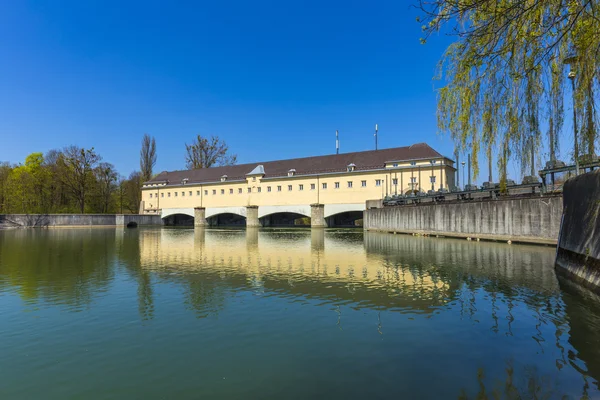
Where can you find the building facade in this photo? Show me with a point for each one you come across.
(338, 183)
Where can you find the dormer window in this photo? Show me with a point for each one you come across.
(223, 178)
(292, 172)
(351, 167)
(184, 181)
(433, 162)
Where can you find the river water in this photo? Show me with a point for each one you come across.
(287, 314)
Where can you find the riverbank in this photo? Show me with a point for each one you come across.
(76, 220)
(533, 220)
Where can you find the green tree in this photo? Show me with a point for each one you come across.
(505, 72)
(26, 186)
(147, 157)
(5, 170)
(206, 153)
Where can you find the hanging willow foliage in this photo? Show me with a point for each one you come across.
(504, 77)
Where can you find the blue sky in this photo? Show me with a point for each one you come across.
(274, 79)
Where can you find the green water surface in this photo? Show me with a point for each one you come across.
(287, 314)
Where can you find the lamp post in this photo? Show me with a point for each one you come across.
(572, 59)
(463, 165)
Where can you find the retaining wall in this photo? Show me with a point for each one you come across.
(65, 220)
(578, 254)
(528, 220)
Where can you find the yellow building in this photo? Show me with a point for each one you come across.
(331, 189)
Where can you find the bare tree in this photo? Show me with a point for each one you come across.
(206, 153)
(133, 195)
(147, 157)
(77, 172)
(106, 178)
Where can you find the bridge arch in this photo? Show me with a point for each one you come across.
(344, 215)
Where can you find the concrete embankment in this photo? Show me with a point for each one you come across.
(526, 220)
(76, 220)
(578, 254)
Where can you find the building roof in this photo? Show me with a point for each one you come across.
(364, 160)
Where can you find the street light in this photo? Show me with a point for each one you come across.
(463, 165)
(572, 59)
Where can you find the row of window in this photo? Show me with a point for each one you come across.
(378, 182)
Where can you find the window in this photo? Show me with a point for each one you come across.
(222, 191)
(240, 191)
(432, 179)
(197, 193)
(230, 191)
(413, 163)
(300, 187)
(249, 190)
(312, 186)
(258, 189)
(279, 188)
(292, 172)
(395, 164)
(349, 184)
(289, 188)
(162, 195)
(268, 188)
(395, 181)
(324, 185)
(433, 161)
(190, 193)
(377, 182)
(413, 180)
(214, 191)
(351, 167)
(363, 183)
(169, 194)
(206, 192)
(253, 179)
(337, 185)
(182, 194)
(150, 195)
(175, 194)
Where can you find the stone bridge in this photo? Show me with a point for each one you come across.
(319, 215)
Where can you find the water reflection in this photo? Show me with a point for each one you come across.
(511, 326)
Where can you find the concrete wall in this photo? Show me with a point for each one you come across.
(578, 254)
(65, 220)
(533, 220)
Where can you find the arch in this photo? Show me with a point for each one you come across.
(132, 224)
(214, 211)
(303, 210)
(166, 212)
(348, 219)
(178, 219)
(288, 219)
(333, 209)
(226, 219)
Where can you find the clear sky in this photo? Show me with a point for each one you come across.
(274, 79)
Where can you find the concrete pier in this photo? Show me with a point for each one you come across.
(252, 220)
(317, 216)
(200, 217)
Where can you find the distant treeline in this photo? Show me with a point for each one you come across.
(76, 180)
(73, 180)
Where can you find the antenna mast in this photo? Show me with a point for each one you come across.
(337, 142)
(375, 136)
